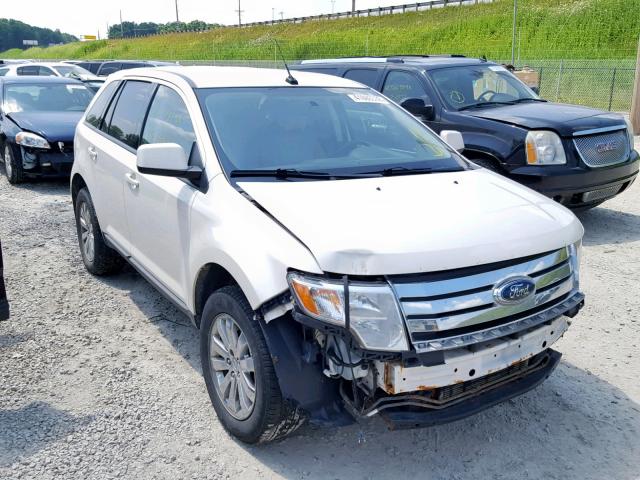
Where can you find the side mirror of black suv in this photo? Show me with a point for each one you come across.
(416, 106)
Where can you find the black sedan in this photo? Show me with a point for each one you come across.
(38, 118)
(4, 304)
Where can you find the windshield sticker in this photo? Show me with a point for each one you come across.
(367, 98)
(497, 68)
(456, 97)
(71, 88)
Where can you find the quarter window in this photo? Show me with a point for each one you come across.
(169, 121)
(3, 71)
(95, 115)
(128, 114)
(401, 86)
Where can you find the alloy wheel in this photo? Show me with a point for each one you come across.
(7, 161)
(232, 366)
(86, 232)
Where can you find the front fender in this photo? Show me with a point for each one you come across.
(231, 231)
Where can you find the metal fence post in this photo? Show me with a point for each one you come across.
(613, 83)
(559, 79)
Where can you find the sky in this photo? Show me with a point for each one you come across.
(88, 17)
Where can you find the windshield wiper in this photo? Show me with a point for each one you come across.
(520, 100)
(280, 173)
(388, 172)
(483, 104)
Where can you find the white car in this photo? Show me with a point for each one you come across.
(339, 258)
(51, 69)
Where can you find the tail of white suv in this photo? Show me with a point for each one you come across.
(339, 258)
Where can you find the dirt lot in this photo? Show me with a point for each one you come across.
(101, 378)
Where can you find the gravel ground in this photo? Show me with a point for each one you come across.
(101, 378)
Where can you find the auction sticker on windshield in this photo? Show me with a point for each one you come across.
(367, 98)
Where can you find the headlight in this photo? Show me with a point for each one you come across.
(374, 317)
(29, 139)
(576, 253)
(630, 133)
(544, 148)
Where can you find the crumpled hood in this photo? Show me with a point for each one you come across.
(53, 126)
(416, 223)
(564, 119)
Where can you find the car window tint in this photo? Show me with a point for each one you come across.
(46, 72)
(400, 86)
(3, 71)
(109, 68)
(128, 114)
(367, 76)
(95, 115)
(169, 121)
(29, 70)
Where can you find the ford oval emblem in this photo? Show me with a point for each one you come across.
(514, 290)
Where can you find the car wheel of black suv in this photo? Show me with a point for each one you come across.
(239, 372)
(97, 256)
(12, 167)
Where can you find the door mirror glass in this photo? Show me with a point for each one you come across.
(453, 138)
(167, 160)
(416, 106)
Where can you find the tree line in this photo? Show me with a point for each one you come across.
(133, 29)
(13, 32)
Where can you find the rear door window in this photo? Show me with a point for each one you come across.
(368, 76)
(3, 71)
(401, 85)
(95, 115)
(109, 68)
(168, 121)
(128, 114)
(29, 70)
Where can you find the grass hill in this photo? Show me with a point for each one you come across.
(579, 29)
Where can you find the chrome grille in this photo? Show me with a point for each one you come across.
(439, 307)
(603, 149)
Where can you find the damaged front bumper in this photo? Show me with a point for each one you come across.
(54, 162)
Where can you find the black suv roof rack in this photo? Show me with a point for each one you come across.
(382, 58)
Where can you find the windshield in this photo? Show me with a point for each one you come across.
(478, 85)
(337, 131)
(46, 98)
(72, 71)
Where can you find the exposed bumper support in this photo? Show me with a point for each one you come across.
(409, 415)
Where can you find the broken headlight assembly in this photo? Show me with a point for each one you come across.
(373, 315)
(28, 139)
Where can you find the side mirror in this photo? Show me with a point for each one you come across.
(166, 160)
(416, 106)
(536, 90)
(453, 138)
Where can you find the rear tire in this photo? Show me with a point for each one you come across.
(245, 394)
(12, 167)
(97, 256)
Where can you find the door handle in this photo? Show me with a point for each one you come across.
(131, 180)
(93, 154)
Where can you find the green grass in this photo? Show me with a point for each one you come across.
(548, 29)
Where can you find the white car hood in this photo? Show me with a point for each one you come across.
(416, 223)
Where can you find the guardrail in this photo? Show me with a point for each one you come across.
(370, 12)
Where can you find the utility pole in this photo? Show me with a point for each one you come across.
(239, 14)
(353, 6)
(333, 6)
(177, 18)
(513, 35)
(273, 14)
(121, 26)
(281, 15)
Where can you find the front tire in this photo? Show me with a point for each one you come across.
(12, 167)
(239, 372)
(97, 256)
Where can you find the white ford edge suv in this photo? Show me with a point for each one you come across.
(339, 258)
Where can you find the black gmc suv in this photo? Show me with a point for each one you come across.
(4, 304)
(576, 155)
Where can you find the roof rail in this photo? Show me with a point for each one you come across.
(384, 58)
